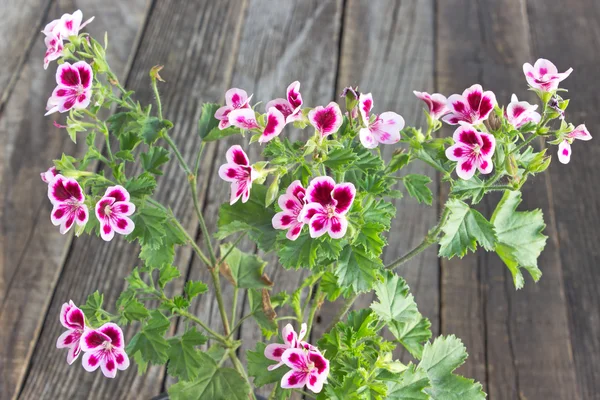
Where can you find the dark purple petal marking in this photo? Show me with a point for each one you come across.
(69, 77)
(459, 152)
(85, 75)
(239, 157)
(469, 137)
(344, 198)
(107, 229)
(114, 334)
(95, 339)
(116, 194)
(93, 360)
(466, 165)
(75, 318)
(336, 225)
(110, 365)
(485, 107)
(458, 106)
(321, 192)
(121, 224)
(474, 99)
(487, 145)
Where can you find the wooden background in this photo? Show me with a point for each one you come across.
(542, 342)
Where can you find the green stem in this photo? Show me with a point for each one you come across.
(236, 292)
(157, 98)
(240, 322)
(192, 243)
(214, 272)
(342, 311)
(286, 318)
(240, 368)
(198, 159)
(525, 143)
(304, 393)
(317, 301)
(217, 336)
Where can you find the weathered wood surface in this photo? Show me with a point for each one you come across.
(33, 251)
(519, 342)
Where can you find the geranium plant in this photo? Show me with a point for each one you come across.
(322, 203)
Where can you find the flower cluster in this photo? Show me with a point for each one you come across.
(308, 367)
(59, 30)
(103, 347)
(66, 195)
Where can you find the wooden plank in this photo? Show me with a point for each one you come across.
(293, 41)
(20, 25)
(387, 49)
(33, 250)
(568, 37)
(520, 340)
(191, 39)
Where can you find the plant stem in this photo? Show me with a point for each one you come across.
(214, 272)
(245, 317)
(157, 98)
(525, 143)
(236, 292)
(192, 243)
(240, 368)
(342, 311)
(217, 336)
(317, 302)
(304, 393)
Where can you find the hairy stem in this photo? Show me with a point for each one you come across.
(317, 302)
(214, 272)
(240, 368)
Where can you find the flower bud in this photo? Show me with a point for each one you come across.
(351, 95)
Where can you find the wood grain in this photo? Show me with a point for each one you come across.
(20, 25)
(518, 341)
(33, 250)
(196, 35)
(388, 49)
(569, 37)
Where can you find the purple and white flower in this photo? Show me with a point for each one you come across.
(472, 150)
(235, 99)
(327, 206)
(519, 113)
(54, 48)
(105, 348)
(48, 176)
(72, 318)
(383, 128)
(68, 25)
(472, 107)
(113, 211)
(308, 368)
(326, 120)
(544, 75)
(74, 89)
(239, 172)
(67, 197)
(275, 124)
(564, 148)
(436, 103)
(291, 203)
(291, 340)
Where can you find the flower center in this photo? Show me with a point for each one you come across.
(310, 366)
(107, 211)
(107, 345)
(476, 149)
(330, 211)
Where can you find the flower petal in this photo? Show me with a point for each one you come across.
(367, 138)
(119, 193)
(121, 359)
(282, 105)
(123, 225)
(236, 155)
(243, 118)
(564, 152)
(274, 126)
(320, 190)
(313, 383)
(233, 172)
(63, 189)
(108, 365)
(310, 210)
(107, 233)
(124, 208)
(387, 127)
(294, 380)
(343, 194)
(581, 133)
(488, 144)
(326, 120)
(93, 339)
(236, 98)
(365, 105)
(338, 225)
(239, 189)
(293, 96)
(67, 75)
(303, 330)
(289, 335)
(485, 165)
(283, 220)
(295, 358)
(274, 351)
(91, 360)
(318, 225)
(294, 231)
(465, 169)
(73, 354)
(68, 339)
(543, 67)
(75, 319)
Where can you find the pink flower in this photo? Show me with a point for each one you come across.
(544, 75)
(67, 197)
(243, 118)
(564, 148)
(291, 203)
(291, 108)
(308, 367)
(234, 99)
(54, 48)
(67, 25)
(73, 319)
(291, 340)
(473, 150)
(113, 211)
(49, 175)
(105, 348)
(327, 206)
(437, 103)
(519, 113)
(239, 172)
(74, 88)
(473, 107)
(384, 128)
(326, 120)
(275, 124)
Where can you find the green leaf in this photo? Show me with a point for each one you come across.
(473, 188)
(520, 238)
(207, 120)
(155, 258)
(252, 217)
(340, 158)
(149, 227)
(330, 287)
(258, 364)
(416, 186)
(129, 141)
(464, 228)
(195, 288)
(357, 269)
(409, 385)
(371, 239)
(150, 341)
(262, 311)
(142, 365)
(130, 308)
(440, 359)
(212, 383)
(397, 307)
(306, 252)
(141, 186)
(167, 274)
(92, 309)
(243, 270)
(185, 362)
(154, 158)
(218, 134)
(380, 212)
(151, 128)
(398, 161)
(122, 123)
(125, 155)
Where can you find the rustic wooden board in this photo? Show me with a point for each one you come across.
(20, 25)
(569, 37)
(32, 249)
(518, 341)
(293, 41)
(190, 38)
(388, 49)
